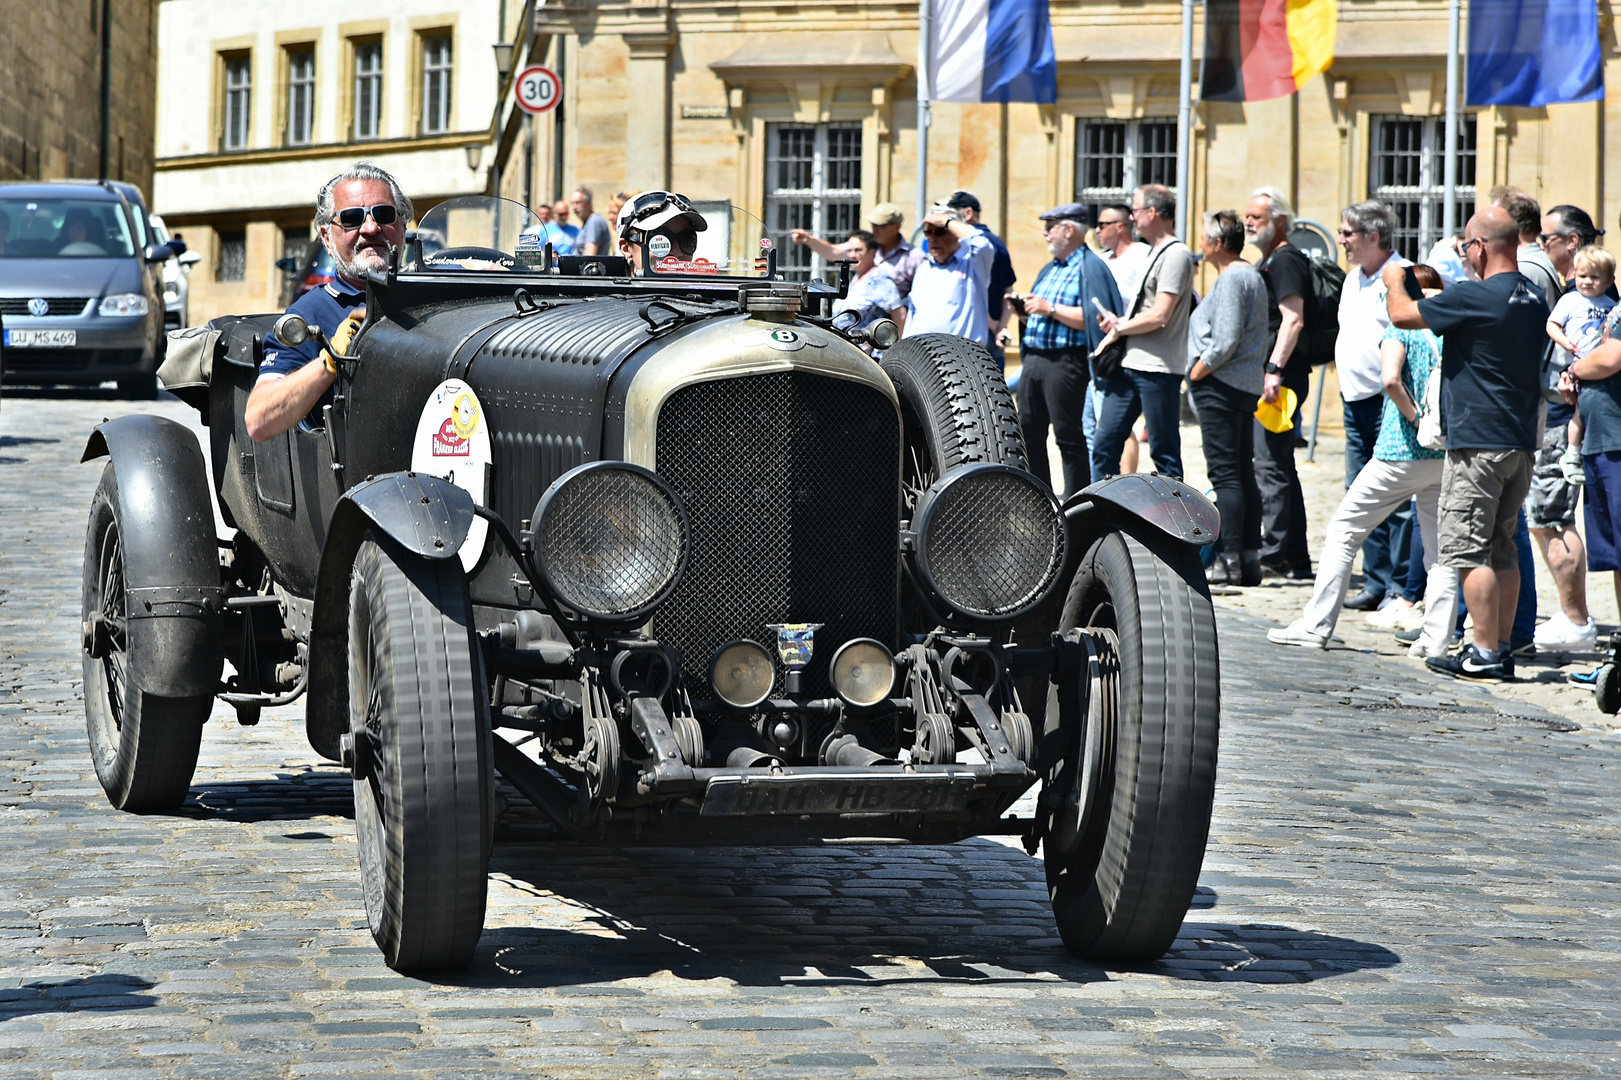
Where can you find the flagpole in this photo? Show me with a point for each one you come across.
(1184, 121)
(1449, 205)
(925, 31)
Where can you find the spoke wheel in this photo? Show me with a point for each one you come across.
(423, 784)
(144, 747)
(1123, 872)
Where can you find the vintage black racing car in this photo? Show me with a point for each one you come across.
(671, 554)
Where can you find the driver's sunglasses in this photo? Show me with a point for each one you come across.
(686, 241)
(351, 218)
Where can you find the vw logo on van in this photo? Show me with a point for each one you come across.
(39, 306)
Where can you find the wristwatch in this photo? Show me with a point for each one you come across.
(1272, 369)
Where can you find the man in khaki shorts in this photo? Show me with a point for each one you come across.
(1490, 331)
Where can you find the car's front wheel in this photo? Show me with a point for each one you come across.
(420, 731)
(1123, 872)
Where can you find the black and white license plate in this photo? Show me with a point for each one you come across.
(41, 339)
(893, 794)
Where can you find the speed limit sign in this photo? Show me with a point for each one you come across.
(538, 89)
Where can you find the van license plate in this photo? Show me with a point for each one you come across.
(42, 339)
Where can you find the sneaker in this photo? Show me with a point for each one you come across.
(1419, 651)
(1521, 647)
(1396, 614)
(1585, 678)
(1410, 635)
(1366, 600)
(1559, 632)
(1295, 634)
(1468, 664)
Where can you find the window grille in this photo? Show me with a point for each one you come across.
(238, 102)
(436, 73)
(1115, 157)
(233, 257)
(300, 96)
(813, 182)
(368, 89)
(1407, 170)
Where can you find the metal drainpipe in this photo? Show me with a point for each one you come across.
(106, 86)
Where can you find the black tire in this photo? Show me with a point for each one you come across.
(1607, 689)
(144, 747)
(1122, 892)
(956, 408)
(419, 716)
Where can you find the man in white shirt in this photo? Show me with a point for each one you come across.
(948, 293)
(1125, 255)
(1367, 231)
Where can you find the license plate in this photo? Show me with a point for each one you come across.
(42, 339)
(769, 796)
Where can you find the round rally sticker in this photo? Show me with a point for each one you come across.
(658, 246)
(453, 443)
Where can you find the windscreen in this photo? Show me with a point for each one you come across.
(477, 232)
(63, 229)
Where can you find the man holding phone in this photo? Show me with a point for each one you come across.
(1060, 331)
(1490, 392)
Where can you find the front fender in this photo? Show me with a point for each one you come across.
(171, 556)
(425, 515)
(1172, 507)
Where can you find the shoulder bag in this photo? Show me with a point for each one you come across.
(1108, 359)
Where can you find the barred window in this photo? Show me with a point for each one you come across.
(233, 257)
(1115, 157)
(436, 84)
(368, 89)
(300, 95)
(813, 182)
(238, 102)
(1407, 170)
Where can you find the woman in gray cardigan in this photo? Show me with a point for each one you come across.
(1227, 334)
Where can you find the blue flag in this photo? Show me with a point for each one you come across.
(1533, 52)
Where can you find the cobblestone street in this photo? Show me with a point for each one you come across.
(1405, 876)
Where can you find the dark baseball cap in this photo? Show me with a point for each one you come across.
(961, 199)
(1074, 211)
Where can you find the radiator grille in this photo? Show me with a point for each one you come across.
(792, 481)
(58, 305)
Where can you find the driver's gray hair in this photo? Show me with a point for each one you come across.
(1279, 202)
(361, 170)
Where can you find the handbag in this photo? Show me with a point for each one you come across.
(1107, 360)
(1429, 413)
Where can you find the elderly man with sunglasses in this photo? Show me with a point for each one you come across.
(949, 290)
(360, 215)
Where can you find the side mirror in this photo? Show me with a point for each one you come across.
(288, 265)
(190, 259)
(291, 329)
(156, 253)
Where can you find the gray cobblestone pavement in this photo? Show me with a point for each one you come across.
(1405, 876)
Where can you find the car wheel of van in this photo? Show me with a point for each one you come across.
(1121, 889)
(419, 723)
(144, 747)
(955, 406)
(138, 387)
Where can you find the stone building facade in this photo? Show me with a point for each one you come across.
(50, 89)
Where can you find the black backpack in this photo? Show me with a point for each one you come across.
(1322, 312)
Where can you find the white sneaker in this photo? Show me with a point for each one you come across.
(1396, 615)
(1295, 634)
(1560, 633)
(1419, 650)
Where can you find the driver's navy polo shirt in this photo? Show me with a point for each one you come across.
(326, 308)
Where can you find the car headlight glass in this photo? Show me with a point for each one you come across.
(863, 672)
(128, 303)
(610, 540)
(990, 541)
(741, 674)
(171, 291)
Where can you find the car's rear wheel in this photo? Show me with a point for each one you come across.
(419, 721)
(1122, 876)
(144, 747)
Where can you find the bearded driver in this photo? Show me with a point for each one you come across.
(663, 221)
(360, 215)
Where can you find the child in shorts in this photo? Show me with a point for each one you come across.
(1577, 325)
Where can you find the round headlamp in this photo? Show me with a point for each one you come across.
(863, 672)
(990, 541)
(742, 674)
(610, 540)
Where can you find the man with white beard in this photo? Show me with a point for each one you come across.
(360, 215)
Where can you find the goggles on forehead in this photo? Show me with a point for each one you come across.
(353, 217)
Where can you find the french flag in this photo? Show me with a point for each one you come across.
(992, 50)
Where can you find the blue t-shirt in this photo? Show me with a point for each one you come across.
(325, 308)
(1493, 335)
(1398, 440)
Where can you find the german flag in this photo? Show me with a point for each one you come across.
(1257, 50)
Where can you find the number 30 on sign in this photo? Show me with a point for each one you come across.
(538, 89)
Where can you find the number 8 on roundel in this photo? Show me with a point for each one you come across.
(537, 89)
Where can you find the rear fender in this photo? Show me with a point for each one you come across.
(171, 556)
(424, 515)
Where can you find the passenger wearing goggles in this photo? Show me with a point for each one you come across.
(361, 215)
(664, 222)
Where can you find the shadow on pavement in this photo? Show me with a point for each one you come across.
(289, 796)
(94, 992)
(777, 918)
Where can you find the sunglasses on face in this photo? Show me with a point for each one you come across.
(685, 242)
(931, 231)
(1545, 237)
(351, 218)
(1346, 234)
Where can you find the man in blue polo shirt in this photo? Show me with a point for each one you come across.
(361, 215)
(1061, 333)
